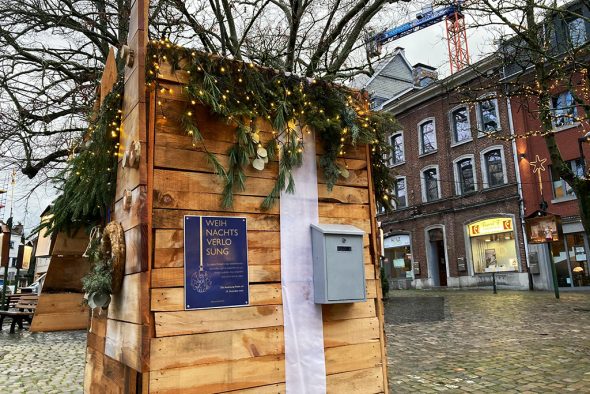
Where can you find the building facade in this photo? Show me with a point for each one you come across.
(569, 32)
(545, 187)
(457, 216)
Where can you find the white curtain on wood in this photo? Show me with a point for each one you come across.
(304, 338)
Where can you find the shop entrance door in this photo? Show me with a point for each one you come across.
(436, 257)
(442, 265)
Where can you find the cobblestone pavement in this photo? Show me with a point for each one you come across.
(512, 342)
(42, 362)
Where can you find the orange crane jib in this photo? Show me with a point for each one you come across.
(456, 33)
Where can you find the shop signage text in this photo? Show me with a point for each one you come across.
(215, 262)
(490, 226)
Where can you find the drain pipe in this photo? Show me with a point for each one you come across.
(519, 186)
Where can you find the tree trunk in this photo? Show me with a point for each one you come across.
(582, 189)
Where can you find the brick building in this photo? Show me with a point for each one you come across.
(570, 31)
(457, 211)
(570, 252)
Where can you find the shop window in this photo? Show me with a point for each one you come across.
(578, 259)
(460, 125)
(401, 197)
(487, 115)
(559, 257)
(430, 185)
(561, 189)
(466, 176)
(493, 165)
(564, 111)
(427, 137)
(397, 149)
(398, 257)
(576, 30)
(493, 245)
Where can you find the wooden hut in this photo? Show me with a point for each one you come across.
(147, 341)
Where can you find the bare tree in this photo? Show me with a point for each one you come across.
(544, 48)
(52, 53)
(51, 57)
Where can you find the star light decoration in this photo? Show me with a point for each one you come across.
(538, 164)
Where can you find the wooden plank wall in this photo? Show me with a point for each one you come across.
(218, 350)
(118, 340)
(223, 350)
(60, 304)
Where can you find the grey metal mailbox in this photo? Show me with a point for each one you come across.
(338, 268)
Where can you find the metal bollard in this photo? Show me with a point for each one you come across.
(494, 282)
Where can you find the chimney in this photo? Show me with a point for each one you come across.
(424, 74)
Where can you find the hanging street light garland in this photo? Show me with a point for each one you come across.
(241, 92)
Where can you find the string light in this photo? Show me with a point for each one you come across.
(215, 86)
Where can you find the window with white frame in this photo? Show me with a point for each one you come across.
(460, 124)
(397, 148)
(564, 109)
(400, 193)
(488, 117)
(427, 136)
(465, 175)
(576, 30)
(430, 184)
(561, 189)
(493, 167)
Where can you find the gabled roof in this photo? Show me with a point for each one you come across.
(405, 101)
(385, 62)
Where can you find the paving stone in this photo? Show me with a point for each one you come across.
(42, 362)
(508, 342)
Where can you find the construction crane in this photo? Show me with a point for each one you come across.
(9, 180)
(3, 193)
(456, 33)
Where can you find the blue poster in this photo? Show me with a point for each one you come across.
(215, 262)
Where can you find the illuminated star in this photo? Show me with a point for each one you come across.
(538, 164)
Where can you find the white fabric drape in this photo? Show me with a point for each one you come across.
(305, 368)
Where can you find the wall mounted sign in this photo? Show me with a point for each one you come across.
(28, 253)
(4, 245)
(541, 229)
(215, 262)
(416, 266)
(490, 226)
(396, 241)
(461, 266)
(20, 255)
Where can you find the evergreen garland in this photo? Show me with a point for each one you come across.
(99, 279)
(240, 92)
(89, 179)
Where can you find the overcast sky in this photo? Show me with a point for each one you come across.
(429, 46)
(26, 200)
